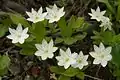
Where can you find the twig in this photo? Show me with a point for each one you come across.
(93, 77)
(98, 70)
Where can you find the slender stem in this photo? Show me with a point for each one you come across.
(98, 70)
(93, 77)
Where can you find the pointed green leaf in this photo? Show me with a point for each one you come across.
(4, 63)
(57, 70)
(28, 51)
(3, 30)
(62, 77)
(16, 19)
(66, 31)
(80, 75)
(116, 55)
(71, 72)
(39, 31)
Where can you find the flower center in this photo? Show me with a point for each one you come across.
(102, 56)
(55, 16)
(36, 17)
(18, 35)
(66, 60)
(79, 61)
(46, 51)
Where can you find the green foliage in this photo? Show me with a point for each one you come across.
(28, 48)
(3, 30)
(69, 29)
(57, 70)
(71, 72)
(66, 74)
(39, 31)
(118, 11)
(108, 37)
(80, 75)
(17, 18)
(116, 55)
(62, 77)
(4, 63)
(66, 31)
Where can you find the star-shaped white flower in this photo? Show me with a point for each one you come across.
(101, 54)
(81, 61)
(54, 13)
(106, 23)
(66, 58)
(45, 50)
(97, 14)
(18, 35)
(36, 16)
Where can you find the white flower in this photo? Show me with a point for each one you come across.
(36, 16)
(54, 13)
(106, 23)
(66, 58)
(45, 50)
(97, 14)
(81, 61)
(101, 54)
(18, 35)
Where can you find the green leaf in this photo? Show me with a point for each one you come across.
(107, 37)
(16, 19)
(62, 77)
(28, 48)
(80, 36)
(72, 23)
(79, 22)
(80, 75)
(76, 22)
(7, 22)
(27, 51)
(118, 13)
(58, 40)
(3, 30)
(71, 72)
(66, 31)
(73, 39)
(4, 63)
(3, 71)
(39, 31)
(116, 55)
(116, 72)
(57, 70)
(69, 41)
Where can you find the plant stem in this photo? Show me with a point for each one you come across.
(92, 77)
(98, 70)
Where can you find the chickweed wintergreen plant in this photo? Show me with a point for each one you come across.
(54, 13)
(99, 16)
(43, 29)
(45, 50)
(18, 35)
(101, 54)
(36, 16)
